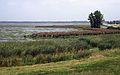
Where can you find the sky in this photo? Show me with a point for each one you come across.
(57, 10)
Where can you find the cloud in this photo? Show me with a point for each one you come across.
(56, 9)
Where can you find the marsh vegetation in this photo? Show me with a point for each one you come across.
(64, 54)
(55, 49)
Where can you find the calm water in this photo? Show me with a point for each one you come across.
(16, 31)
(45, 24)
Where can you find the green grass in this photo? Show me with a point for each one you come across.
(28, 53)
(101, 66)
(74, 55)
(99, 63)
(54, 50)
(110, 66)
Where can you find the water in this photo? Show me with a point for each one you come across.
(46, 23)
(17, 31)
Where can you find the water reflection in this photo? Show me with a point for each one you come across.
(17, 33)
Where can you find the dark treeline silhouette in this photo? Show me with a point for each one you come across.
(114, 22)
(96, 19)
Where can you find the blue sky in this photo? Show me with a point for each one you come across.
(57, 10)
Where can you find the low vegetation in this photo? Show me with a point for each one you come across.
(98, 63)
(88, 31)
(90, 51)
(54, 50)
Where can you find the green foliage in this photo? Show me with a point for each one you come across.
(96, 19)
(104, 46)
(54, 50)
(11, 61)
(28, 53)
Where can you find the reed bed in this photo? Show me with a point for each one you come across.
(90, 31)
(54, 50)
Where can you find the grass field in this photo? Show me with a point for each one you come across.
(99, 63)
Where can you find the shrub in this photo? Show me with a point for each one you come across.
(79, 44)
(27, 60)
(104, 46)
(7, 62)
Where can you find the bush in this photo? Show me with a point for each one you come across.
(27, 60)
(104, 46)
(80, 44)
(7, 62)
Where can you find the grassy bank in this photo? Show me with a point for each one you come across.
(54, 50)
(99, 63)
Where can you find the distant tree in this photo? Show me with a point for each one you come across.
(96, 19)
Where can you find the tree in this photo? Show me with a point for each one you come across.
(96, 19)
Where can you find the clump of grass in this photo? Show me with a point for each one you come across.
(7, 62)
(54, 50)
(28, 53)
